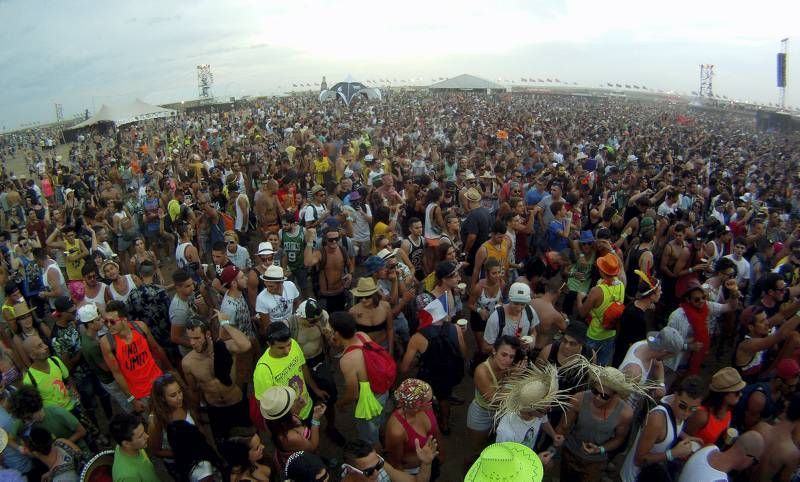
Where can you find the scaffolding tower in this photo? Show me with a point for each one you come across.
(706, 80)
(205, 79)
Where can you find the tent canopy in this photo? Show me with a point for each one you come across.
(126, 113)
(349, 90)
(466, 82)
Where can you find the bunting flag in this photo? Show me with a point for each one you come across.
(549, 80)
(683, 120)
(610, 84)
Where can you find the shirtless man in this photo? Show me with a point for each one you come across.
(550, 319)
(781, 453)
(674, 263)
(227, 405)
(266, 206)
(335, 270)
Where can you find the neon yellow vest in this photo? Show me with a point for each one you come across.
(612, 293)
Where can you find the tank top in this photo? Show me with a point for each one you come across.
(612, 293)
(432, 231)
(630, 471)
(73, 267)
(500, 253)
(754, 367)
(180, 255)
(415, 255)
(123, 297)
(411, 432)
(136, 363)
(568, 380)
(633, 264)
(293, 246)
(714, 426)
(590, 429)
(100, 298)
(632, 359)
(241, 217)
(698, 468)
(61, 281)
(479, 400)
(489, 303)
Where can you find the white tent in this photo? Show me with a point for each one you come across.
(466, 82)
(126, 113)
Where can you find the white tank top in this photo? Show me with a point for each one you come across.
(180, 254)
(61, 282)
(630, 471)
(241, 216)
(489, 303)
(100, 298)
(632, 359)
(122, 296)
(697, 467)
(431, 230)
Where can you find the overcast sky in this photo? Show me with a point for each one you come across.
(86, 53)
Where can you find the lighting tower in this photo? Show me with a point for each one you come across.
(205, 79)
(706, 78)
(59, 112)
(782, 75)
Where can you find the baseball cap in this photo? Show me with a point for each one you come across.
(229, 273)
(374, 263)
(309, 309)
(668, 339)
(63, 303)
(88, 313)
(787, 368)
(519, 293)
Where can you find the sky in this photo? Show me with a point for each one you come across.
(82, 53)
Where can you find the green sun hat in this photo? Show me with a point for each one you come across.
(506, 462)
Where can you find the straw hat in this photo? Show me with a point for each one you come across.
(472, 195)
(506, 462)
(276, 402)
(366, 287)
(531, 389)
(610, 378)
(469, 176)
(21, 310)
(727, 380)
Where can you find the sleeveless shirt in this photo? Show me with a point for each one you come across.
(590, 429)
(136, 363)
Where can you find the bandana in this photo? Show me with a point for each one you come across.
(411, 393)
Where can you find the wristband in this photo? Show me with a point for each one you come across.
(315, 422)
(131, 399)
(691, 270)
(602, 450)
(669, 456)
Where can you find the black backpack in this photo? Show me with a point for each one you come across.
(501, 318)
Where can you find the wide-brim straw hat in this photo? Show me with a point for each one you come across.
(610, 378)
(366, 287)
(531, 389)
(506, 462)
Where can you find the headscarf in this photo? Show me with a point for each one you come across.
(411, 393)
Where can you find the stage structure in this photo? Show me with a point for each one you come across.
(706, 80)
(205, 79)
(782, 73)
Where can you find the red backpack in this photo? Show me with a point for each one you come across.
(381, 368)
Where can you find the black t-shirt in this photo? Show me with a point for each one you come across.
(632, 328)
(478, 222)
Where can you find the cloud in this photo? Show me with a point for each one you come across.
(85, 52)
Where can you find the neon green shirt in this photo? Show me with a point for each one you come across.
(283, 372)
(51, 385)
(133, 469)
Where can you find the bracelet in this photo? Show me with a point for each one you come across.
(669, 456)
(131, 399)
(602, 450)
(315, 422)
(691, 270)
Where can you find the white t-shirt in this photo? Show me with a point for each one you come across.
(679, 321)
(512, 328)
(742, 269)
(512, 428)
(278, 307)
(697, 468)
(313, 212)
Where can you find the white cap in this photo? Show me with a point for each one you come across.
(88, 312)
(519, 293)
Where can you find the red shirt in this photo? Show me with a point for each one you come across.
(136, 363)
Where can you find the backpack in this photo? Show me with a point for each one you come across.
(112, 343)
(303, 216)
(442, 363)
(57, 361)
(501, 318)
(381, 368)
(227, 221)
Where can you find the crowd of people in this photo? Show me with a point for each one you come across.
(291, 290)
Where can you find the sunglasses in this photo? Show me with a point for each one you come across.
(332, 240)
(110, 321)
(369, 470)
(685, 406)
(601, 395)
(698, 299)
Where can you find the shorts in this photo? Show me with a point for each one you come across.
(368, 430)
(223, 419)
(323, 376)
(476, 323)
(478, 418)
